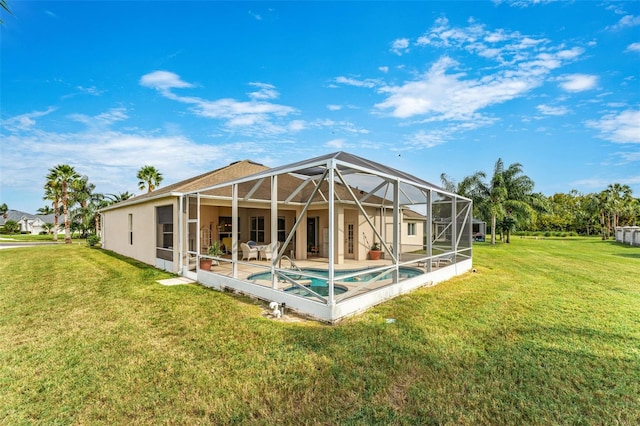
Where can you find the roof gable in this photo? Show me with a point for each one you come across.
(232, 171)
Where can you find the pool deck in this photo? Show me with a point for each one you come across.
(246, 269)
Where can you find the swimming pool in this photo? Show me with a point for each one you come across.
(318, 283)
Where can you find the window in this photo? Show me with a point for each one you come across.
(282, 230)
(225, 224)
(130, 229)
(256, 230)
(164, 232)
(411, 229)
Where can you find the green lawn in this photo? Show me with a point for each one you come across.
(546, 332)
(7, 238)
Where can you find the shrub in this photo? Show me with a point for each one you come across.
(93, 240)
(11, 227)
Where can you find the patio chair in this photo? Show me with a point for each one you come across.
(444, 260)
(268, 251)
(227, 242)
(248, 252)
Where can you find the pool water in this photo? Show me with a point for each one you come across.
(322, 290)
(321, 286)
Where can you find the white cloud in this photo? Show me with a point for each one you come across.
(628, 157)
(163, 80)
(446, 91)
(334, 107)
(578, 82)
(266, 91)
(633, 47)
(383, 69)
(336, 144)
(111, 157)
(25, 121)
(428, 139)
(255, 118)
(551, 110)
(523, 3)
(94, 91)
(450, 96)
(297, 125)
(601, 183)
(105, 118)
(623, 127)
(626, 21)
(368, 83)
(400, 46)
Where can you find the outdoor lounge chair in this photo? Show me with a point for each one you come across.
(444, 260)
(248, 252)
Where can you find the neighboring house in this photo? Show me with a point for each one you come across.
(29, 223)
(319, 217)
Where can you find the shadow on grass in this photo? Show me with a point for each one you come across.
(132, 262)
(632, 252)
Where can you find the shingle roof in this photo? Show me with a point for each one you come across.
(223, 174)
(17, 215)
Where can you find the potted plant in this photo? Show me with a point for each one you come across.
(374, 251)
(215, 251)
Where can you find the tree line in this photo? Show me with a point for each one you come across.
(72, 196)
(507, 202)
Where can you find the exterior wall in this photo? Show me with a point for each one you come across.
(408, 243)
(210, 219)
(115, 231)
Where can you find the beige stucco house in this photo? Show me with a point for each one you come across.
(300, 235)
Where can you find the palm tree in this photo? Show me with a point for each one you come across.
(149, 177)
(116, 198)
(488, 198)
(4, 209)
(619, 200)
(89, 202)
(45, 210)
(64, 175)
(5, 6)
(48, 227)
(53, 193)
(509, 195)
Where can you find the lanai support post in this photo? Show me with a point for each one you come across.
(181, 255)
(429, 228)
(454, 227)
(274, 230)
(332, 231)
(396, 228)
(234, 230)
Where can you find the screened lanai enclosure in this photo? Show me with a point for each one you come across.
(305, 235)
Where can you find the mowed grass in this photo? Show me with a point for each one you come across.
(546, 332)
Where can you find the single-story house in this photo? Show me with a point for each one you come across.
(301, 235)
(29, 223)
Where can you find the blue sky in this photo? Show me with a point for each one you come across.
(425, 87)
